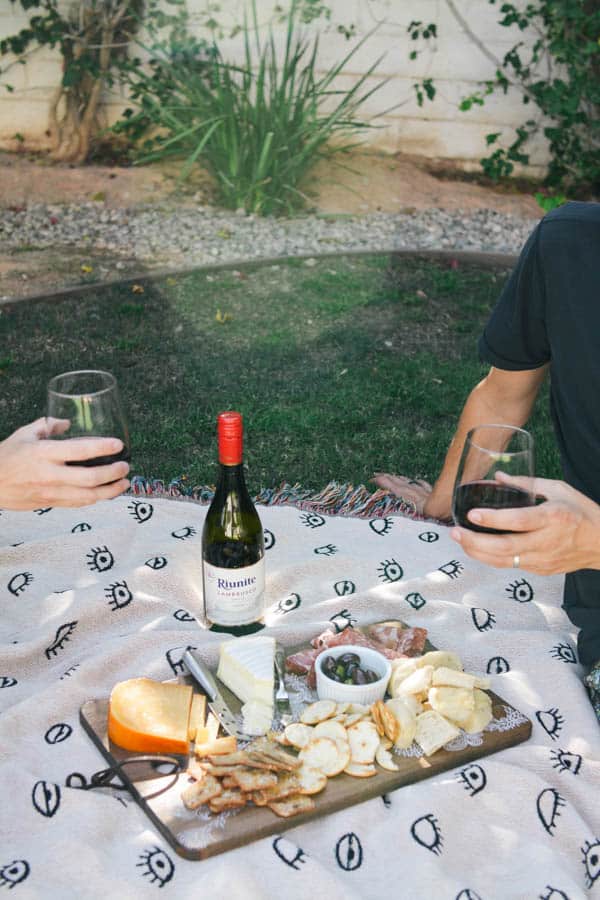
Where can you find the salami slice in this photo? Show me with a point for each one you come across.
(302, 662)
(407, 641)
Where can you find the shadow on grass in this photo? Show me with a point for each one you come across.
(342, 366)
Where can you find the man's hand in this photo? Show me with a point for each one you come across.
(409, 489)
(33, 470)
(560, 535)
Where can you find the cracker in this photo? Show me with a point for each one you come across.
(386, 759)
(230, 799)
(247, 779)
(326, 755)
(318, 712)
(364, 741)
(292, 806)
(360, 770)
(331, 729)
(201, 792)
(298, 735)
(312, 781)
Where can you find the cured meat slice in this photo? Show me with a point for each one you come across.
(302, 662)
(395, 636)
(349, 635)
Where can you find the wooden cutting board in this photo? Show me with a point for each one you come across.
(199, 834)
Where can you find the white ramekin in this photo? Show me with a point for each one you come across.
(328, 689)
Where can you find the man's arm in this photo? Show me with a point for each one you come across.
(503, 397)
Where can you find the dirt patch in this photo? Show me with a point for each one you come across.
(369, 183)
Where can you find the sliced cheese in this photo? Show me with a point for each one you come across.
(433, 731)
(452, 678)
(150, 716)
(246, 666)
(197, 715)
(257, 717)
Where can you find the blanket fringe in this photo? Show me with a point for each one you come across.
(334, 499)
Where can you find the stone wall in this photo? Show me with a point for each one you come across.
(469, 43)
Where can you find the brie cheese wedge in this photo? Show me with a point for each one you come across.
(246, 667)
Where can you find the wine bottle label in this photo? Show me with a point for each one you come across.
(234, 596)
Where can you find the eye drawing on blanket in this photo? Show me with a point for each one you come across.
(520, 590)
(19, 582)
(551, 721)
(58, 733)
(390, 570)
(387, 800)
(312, 520)
(483, 619)
(63, 633)
(289, 604)
(296, 855)
(553, 894)
(118, 595)
(497, 665)
(81, 526)
(381, 526)
(467, 894)
(157, 866)
(342, 620)
(182, 615)
(349, 852)
(344, 587)
(452, 569)
(70, 671)
(326, 550)
(549, 804)
(473, 778)
(416, 600)
(100, 559)
(14, 873)
(269, 539)
(591, 861)
(156, 562)
(429, 537)
(182, 534)
(565, 761)
(42, 512)
(426, 832)
(45, 797)
(141, 511)
(175, 659)
(564, 652)
(7, 681)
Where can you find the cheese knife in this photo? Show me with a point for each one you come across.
(217, 704)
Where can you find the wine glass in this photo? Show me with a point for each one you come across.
(489, 449)
(90, 400)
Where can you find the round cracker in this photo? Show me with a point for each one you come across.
(386, 759)
(312, 781)
(298, 735)
(326, 755)
(364, 741)
(331, 729)
(360, 770)
(353, 718)
(318, 712)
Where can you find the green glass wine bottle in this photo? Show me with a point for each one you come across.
(233, 547)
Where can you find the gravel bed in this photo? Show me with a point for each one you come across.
(204, 235)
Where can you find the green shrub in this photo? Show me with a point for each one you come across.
(259, 127)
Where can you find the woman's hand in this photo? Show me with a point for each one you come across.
(560, 535)
(33, 470)
(410, 490)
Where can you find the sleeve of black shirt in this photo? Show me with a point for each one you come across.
(515, 336)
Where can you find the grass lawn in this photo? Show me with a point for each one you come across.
(348, 366)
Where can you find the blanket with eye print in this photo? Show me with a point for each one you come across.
(96, 595)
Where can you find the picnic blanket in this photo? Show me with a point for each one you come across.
(95, 595)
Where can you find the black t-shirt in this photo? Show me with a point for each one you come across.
(549, 312)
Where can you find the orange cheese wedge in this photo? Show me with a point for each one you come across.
(150, 716)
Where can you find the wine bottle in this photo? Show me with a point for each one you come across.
(233, 547)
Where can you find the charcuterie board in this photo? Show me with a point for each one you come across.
(198, 834)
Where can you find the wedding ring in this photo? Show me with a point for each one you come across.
(516, 561)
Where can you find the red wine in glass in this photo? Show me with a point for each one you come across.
(90, 400)
(490, 449)
(486, 495)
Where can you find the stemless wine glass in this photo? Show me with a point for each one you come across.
(90, 400)
(489, 449)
